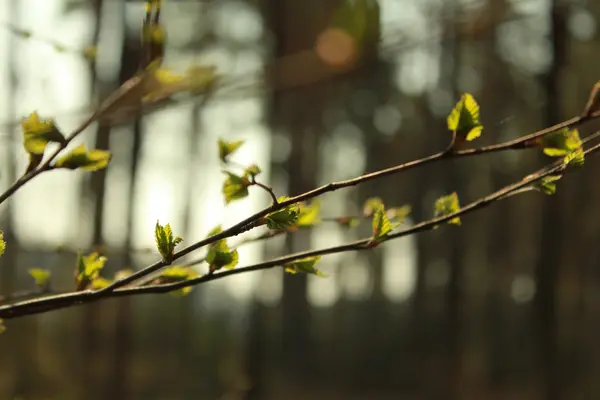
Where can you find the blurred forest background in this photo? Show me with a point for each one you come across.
(505, 307)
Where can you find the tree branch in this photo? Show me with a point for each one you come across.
(43, 304)
(249, 223)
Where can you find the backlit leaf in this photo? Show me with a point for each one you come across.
(380, 224)
(560, 143)
(309, 214)
(235, 187)
(87, 160)
(165, 241)
(88, 269)
(305, 265)
(448, 205)
(284, 218)
(464, 119)
(37, 133)
(227, 148)
(575, 158)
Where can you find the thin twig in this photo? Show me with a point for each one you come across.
(266, 188)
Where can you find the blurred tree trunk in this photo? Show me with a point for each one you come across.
(91, 322)
(123, 340)
(551, 244)
(297, 115)
(457, 246)
(20, 352)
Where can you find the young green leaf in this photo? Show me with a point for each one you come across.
(560, 143)
(79, 157)
(37, 133)
(548, 184)
(309, 214)
(221, 256)
(235, 187)
(464, 119)
(284, 218)
(575, 158)
(227, 148)
(305, 265)
(88, 269)
(381, 225)
(166, 241)
(177, 274)
(41, 277)
(448, 205)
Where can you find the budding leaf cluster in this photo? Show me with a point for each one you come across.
(88, 269)
(448, 205)
(560, 143)
(166, 241)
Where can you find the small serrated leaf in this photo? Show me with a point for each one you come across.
(575, 158)
(548, 184)
(227, 148)
(87, 160)
(305, 265)
(165, 242)
(447, 205)
(220, 256)
(235, 187)
(284, 218)
(464, 119)
(381, 225)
